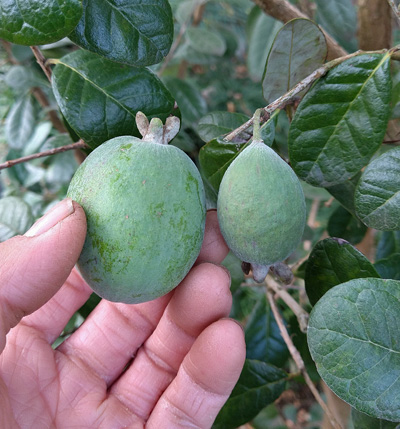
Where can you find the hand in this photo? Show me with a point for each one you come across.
(168, 363)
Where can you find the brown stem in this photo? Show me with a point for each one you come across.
(7, 48)
(298, 311)
(78, 145)
(285, 11)
(41, 59)
(299, 360)
(374, 24)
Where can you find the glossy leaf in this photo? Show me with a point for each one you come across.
(135, 32)
(261, 31)
(341, 121)
(190, 101)
(206, 41)
(15, 217)
(217, 124)
(20, 122)
(331, 262)
(216, 156)
(299, 48)
(36, 22)
(259, 384)
(377, 195)
(344, 225)
(363, 421)
(389, 268)
(353, 336)
(263, 339)
(100, 98)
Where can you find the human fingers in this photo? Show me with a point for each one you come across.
(214, 248)
(111, 335)
(51, 319)
(202, 298)
(34, 266)
(204, 381)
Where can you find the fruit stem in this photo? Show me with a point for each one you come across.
(256, 125)
(155, 131)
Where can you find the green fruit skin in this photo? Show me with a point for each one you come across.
(261, 206)
(145, 209)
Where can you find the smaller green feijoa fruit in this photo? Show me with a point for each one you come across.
(261, 208)
(145, 207)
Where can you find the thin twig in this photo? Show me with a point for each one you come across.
(41, 59)
(299, 360)
(303, 84)
(395, 10)
(299, 312)
(78, 145)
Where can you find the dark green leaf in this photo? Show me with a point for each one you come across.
(388, 244)
(353, 336)
(15, 217)
(331, 262)
(389, 268)
(341, 121)
(137, 32)
(190, 101)
(217, 124)
(261, 31)
(20, 122)
(216, 156)
(298, 49)
(263, 339)
(100, 98)
(363, 421)
(377, 195)
(344, 225)
(206, 41)
(339, 19)
(36, 22)
(344, 193)
(259, 384)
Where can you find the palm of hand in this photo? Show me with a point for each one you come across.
(159, 364)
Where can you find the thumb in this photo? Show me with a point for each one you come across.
(34, 266)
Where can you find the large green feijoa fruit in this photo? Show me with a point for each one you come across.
(145, 206)
(261, 208)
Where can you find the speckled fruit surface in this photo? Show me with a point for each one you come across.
(261, 206)
(145, 208)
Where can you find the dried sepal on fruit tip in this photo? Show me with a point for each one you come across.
(155, 131)
(259, 272)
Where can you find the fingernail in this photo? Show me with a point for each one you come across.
(59, 212)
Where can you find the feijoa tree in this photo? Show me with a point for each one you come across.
(326, 78)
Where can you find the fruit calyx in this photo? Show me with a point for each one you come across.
(155, 131)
